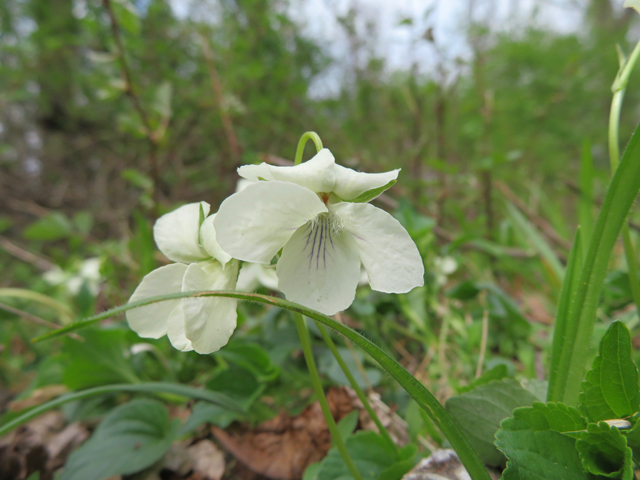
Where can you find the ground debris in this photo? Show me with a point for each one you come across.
(41, 445)
(281, 448)
(441, 465)
(199, 461)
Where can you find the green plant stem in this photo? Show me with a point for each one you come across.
(302, 142)
(155, 387)
(305, 340)
(423, 397)
(361, 395)
(619, 89)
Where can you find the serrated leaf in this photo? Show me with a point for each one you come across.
(604, 451)
(533, 442)
(633, 437)
(480, 411)
(131, 438)
(610, 389)
(371, 194)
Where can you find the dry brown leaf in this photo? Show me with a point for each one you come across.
(284, 446)
(395, 425)
(206, 460)
(41, 445)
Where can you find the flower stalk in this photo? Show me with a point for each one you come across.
(305, 340)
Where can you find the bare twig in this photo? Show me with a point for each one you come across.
(216, 85)
(35, 319)
(135, 100)
(24, 255)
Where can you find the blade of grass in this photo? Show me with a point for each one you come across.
(558, 372)
(575, 342)
(410, 384)
(153, 387)
(542, 247)
(585, 204)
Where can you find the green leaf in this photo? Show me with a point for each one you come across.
(535, 447)
(480, 411)
(498, 372)
(238, 384)
(348, 424)
(127, 16)
(633, 437)
(131, 438)
(371, 454)
(610, 389)
(99, 360)
(405, 461)
(531, 235)
(329, 366)
(558, 370)
(604, 451)
(371, 194)
(83, 222)
(574, 347)
(252, 357)
(585, 205)
(54, 226)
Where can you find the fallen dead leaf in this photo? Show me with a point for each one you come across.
(284, 446)
(200, 461)
(41, 445)
(395, 425)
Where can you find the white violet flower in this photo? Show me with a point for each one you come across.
(204, 324)
(317, 212)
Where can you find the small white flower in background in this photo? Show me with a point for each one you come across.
(317, 212)
(88, 273)
(205, 324)
(444, 266)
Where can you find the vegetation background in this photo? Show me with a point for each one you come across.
(115, 112)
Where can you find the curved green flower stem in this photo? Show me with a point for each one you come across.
(302, 142)
(361, 395)
(154, 387)
(410, 384)
(305, 340)
(619, 89)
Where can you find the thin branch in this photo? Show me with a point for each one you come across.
(24, 255)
